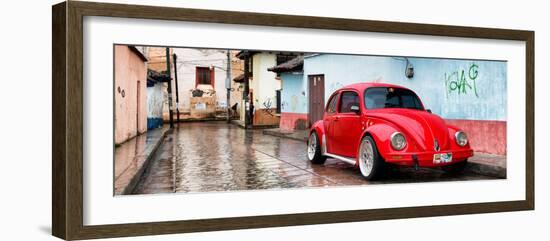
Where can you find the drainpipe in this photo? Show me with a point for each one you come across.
(177, 90)
(170, 105)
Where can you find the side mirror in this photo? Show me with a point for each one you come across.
(429, 111)
(355, 108)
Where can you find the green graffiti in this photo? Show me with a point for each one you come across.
(473, 71)
(461, 82)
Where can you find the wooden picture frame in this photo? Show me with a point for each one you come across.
(67, 119)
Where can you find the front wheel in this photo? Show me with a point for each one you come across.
(314, 154)
(371, 163)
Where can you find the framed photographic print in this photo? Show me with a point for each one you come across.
(171, 120)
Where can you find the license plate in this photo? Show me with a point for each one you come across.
(443, 158)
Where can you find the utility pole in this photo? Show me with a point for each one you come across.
(170, 105)
(177, 90)
(246, 91)
(228, 85)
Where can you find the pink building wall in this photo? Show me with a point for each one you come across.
(289, 121)
(130, 93)
(477, 131)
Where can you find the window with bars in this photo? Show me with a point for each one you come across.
(204, 76)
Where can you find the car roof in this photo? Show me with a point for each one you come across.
(364, 85)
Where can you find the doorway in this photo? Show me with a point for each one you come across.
(138, 94)
(316, 84)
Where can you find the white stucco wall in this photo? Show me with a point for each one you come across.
(187, 61)
(155, 99)
(264, 82)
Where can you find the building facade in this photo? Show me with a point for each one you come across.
(202, 76)
(130, 94)
(155, 98)
(157, 66)
(471, 94)
(264, 85)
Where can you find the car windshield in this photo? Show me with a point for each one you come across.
(390, 97)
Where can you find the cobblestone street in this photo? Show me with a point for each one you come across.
(216, 156)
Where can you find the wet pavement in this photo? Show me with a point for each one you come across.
(131, 158)
(216, 156)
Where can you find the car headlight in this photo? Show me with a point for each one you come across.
(461, 138)
(398, 141)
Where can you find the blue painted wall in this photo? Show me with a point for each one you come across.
(294, 94)
(453, 89)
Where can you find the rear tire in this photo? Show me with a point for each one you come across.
(455, 168)
(314, 154)
(371, 164)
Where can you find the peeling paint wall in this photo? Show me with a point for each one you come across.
(294, 95)
(191, 58)
(157, 62)
(155, 102)
(293, 101)
(188, 59)
(469, 93)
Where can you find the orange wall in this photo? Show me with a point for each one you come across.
(157, 58)
(130, 111)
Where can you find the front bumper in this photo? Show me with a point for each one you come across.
(426, 159)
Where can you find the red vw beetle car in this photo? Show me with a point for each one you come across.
(372, 124)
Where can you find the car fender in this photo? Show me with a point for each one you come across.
(380, 133)
(319, 128)
(452, 131)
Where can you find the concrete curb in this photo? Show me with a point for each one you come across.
(284, 135)
(486, 170)
(206, 119)
(129, 189)
(241, 125)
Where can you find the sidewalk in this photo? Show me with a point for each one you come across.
(487, 164)
(481, 163)
(240, 124)
(299, 135)
(132, 157)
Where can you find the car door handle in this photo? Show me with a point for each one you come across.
(336, 118)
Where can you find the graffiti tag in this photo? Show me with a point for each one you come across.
(461, 82)
(267, 107)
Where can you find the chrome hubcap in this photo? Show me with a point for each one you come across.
(366, 158)
(311, 146)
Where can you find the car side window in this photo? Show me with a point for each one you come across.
(347, 100)
(331, 107)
